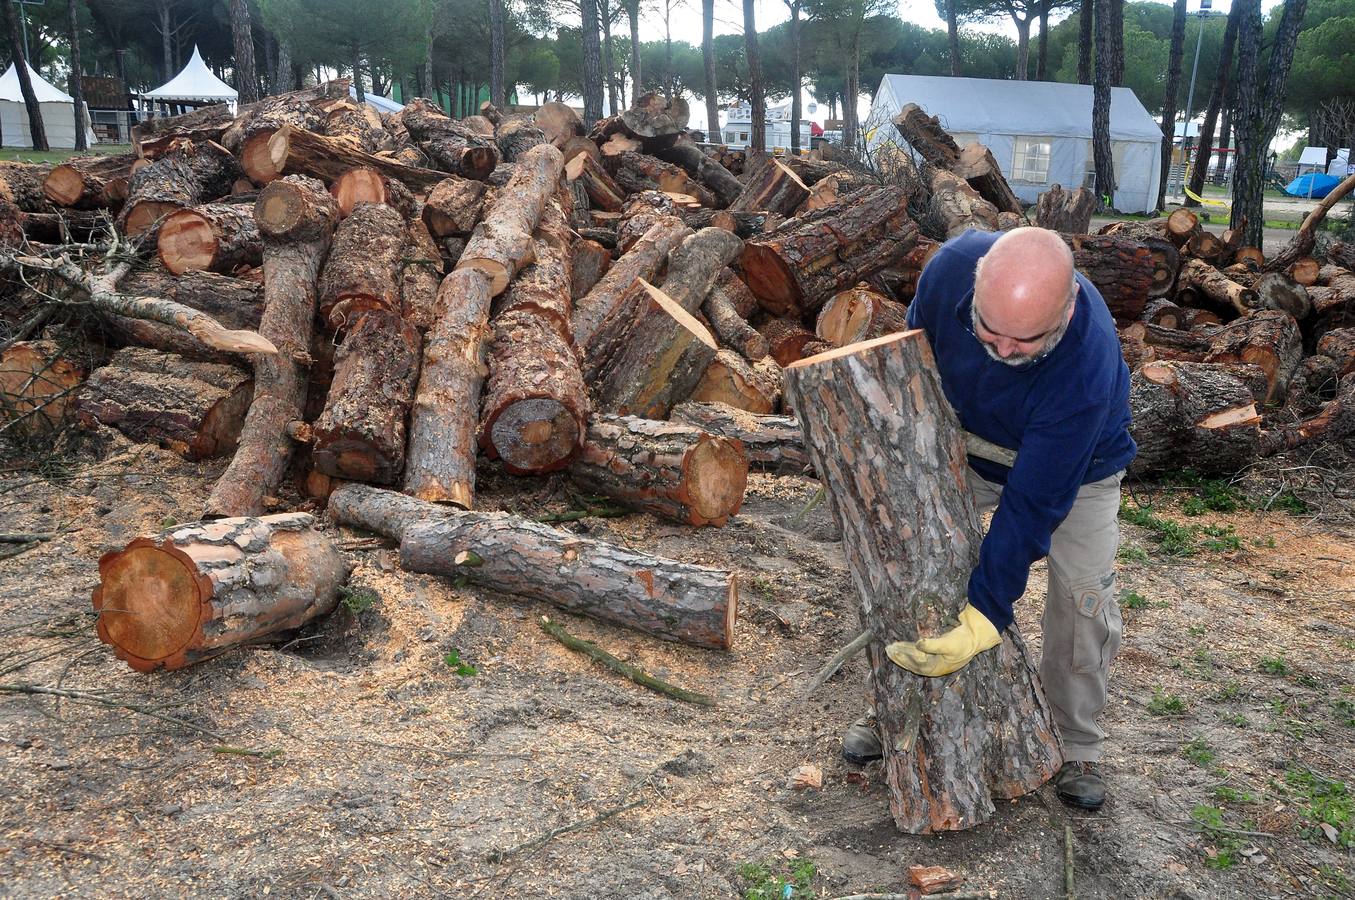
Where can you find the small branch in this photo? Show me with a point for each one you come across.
(635, 674)
(534, 845)
(858, 643)
(104, 701)
(1069, 891)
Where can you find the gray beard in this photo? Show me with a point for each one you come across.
(1019, 360)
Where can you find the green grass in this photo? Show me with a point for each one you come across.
(1198, 752)
(1325, 801)
(357, 600)
(457, 665)
(1165, 704)
(762, 882)
(1227, 847)
(1133, 600)
(1225, 794)
(1132, 553)
(1273, 665)
(60, 156)
(1344, 711)
(1291, 503)
(1173, 538)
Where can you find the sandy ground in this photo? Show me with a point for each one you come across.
(353, 762)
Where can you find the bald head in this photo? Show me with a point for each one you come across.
(1023, 292)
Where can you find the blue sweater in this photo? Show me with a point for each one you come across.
(1066, 415)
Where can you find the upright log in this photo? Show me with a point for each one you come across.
(670, 600)
(794, 270)
(296, 216)
(200, 589)
(360, 436)
(890, 454)
(214, 237)
(440, 460)
(502, 243)
(674, 471)
(364, 269)
(1069, 212)
(195, 409)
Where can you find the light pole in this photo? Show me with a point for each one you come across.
(1205, 13)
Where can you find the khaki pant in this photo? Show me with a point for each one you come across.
(1081, 622)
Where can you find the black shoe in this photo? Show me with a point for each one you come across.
(861, 741)
(1080, 784)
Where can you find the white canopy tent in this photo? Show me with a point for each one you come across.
(194, 85)
(1314, 159)
(1040, 132)
(56, 106)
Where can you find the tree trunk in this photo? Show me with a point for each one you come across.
(708, 62)
(501, 244)
(246, 81)
(497, 94)
(636, 79)
(1259, 109)
(360, 125)
(592, 64)
(215, 237)
(1217, 94)
(363, 271)
(771, 442)
(732, 380)
(1042, 55)
(360, 436)
(772, 188)
(203, 588)
(1101, 148)
(24, 184)
(756, 90)
(286, 78)
(953, 40)
(196, 174)
(1173, 87)
(851, 132)
(890, 454)
(296, 216)
(77, 89)
(440, 463)
(36, 131)
(1269, 339)
(674, 471)
(1085, 42)
(670, 600)
(1022, 47)
(195, 409)
(642, 261)
(1116, 42)
(795, 270)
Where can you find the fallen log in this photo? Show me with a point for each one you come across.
(771, 442)
(363, 270)
(1302, 243)
(1212, 285)
(516, 136)
(925, 134)
(704, 169)
(195, 409)
(502, 243)
(1269, 339)
(214, 237)
(296, 216)
(641, 262)
(794, 270)
(859, 314)
(732, 380)
(637, 172)
(697, 263)
(670, 600)
(440, 458)
(1127, 272)
(955, 207)
(591, 261)
(189, 176)
(788, 340)
(743, 224)
(454, 207)
(890, 454)
(90, 182)
(728, 307)
(655, 119)
(772, 188)
(1192, 415)
(201, 589)
(364, 184)
(1338, 345)
(22, 184)
(559, 123)
(358, 124)
(36, 383)
(299, 152)
(1276, 290)
(451, 146)
(360, 436)
(250, 133)
(420, 277)
(1181, 226)
(602, 191)
(977, 166)
(674, 471)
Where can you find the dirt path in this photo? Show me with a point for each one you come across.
(357, 763)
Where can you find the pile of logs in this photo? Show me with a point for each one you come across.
(329, 296)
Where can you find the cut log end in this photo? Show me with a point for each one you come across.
(717, 475)
(770, 279)
(143, 216)
(495, 272)
(187, 242)
(152, 601)
(64, 185)
(358, 185)
(260, 159)
(535, 435)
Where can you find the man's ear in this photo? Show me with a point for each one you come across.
(1072, 308)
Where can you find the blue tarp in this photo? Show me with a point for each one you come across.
(1314, 184)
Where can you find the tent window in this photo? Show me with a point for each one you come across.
(1117, 151)
(1031, 160)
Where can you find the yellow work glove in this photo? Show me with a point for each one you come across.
(949, 652)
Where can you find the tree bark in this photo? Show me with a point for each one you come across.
(420, 277)
(203, 588)
(360, 436)
(296, 216)
(1169, 93)
(23, 185)
(670, 600)
(1126, 272)
(730, 379)
(246, 81)
(1103, 160)
(889, 451)
(771, 442)
(77, 89)
(515, 136)
(195, 409)
(363, 270)
(1042, 55)
(756, 91)
(642, 261)
(214, 237)
(90, 182)
(592, 63)
(440, 464)
(772, 188)
(36, 131)
(196, 174)
(796, 269)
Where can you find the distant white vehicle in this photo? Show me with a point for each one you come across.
(739, 126)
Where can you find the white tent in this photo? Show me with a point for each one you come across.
(195, 83)
(376, 101)
(1040, 132)
(1314, 159)
(57, 108)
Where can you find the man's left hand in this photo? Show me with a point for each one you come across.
(948, 652)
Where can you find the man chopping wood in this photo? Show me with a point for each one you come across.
(1029, 359)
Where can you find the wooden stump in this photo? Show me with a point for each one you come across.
(215, 237)
(296, 216)
(1069, 212)
(889, 451)
(670, 600)
(440, 459)
(360, 436)
(674, 471)
(201, 589)
(195, 409)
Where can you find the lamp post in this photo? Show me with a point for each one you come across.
(1206, 12)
